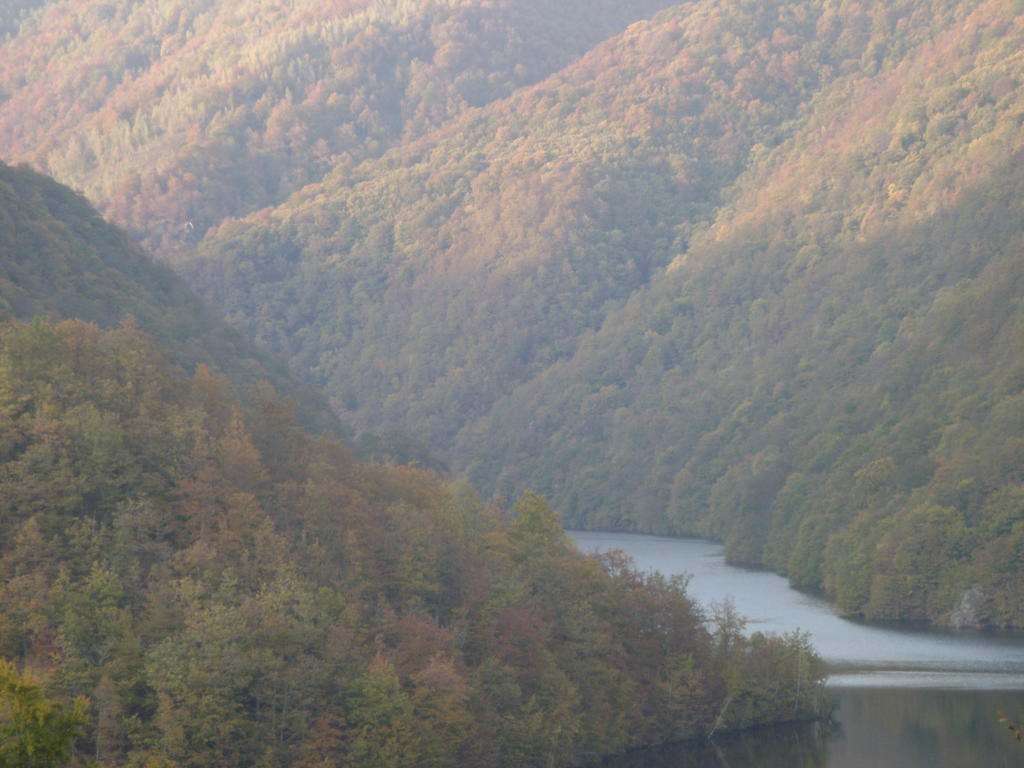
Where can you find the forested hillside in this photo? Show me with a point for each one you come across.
(214, 586)
(172, 114)
(228, 591)
(744, 269)
(59, 259)
(11, 13)
(801, 205)
(830, 377)
(419, 288)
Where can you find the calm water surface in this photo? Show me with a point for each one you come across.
(904, 698)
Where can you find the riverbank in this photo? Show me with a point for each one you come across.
(907, 697)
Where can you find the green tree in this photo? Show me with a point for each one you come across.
(535, 528)
(34, 731)
(382, 716)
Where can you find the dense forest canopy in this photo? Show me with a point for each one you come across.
(228, 591)
(174, 114)
(829, 377)
(739, 272)
(188, 579)
(59, 259)
(743, 269)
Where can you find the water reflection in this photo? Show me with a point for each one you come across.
(912, 728)
(923, 679)
(874, 728)
(772, 606)
(903, 698)
(789, 746)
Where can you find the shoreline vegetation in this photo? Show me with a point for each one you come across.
(226, 590)
(752, 270)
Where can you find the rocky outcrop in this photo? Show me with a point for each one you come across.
(968, 610)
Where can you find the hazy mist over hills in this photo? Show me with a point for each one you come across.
(172, 115)
(59, 260)
(744, 269)
(190, 579)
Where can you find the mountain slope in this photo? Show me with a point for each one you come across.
(229, 591)
(829, 378)
(512, 289)
(419, 287)
(59, 259)
(172, 115)
(746, 269)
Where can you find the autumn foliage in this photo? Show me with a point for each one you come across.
(227, 590)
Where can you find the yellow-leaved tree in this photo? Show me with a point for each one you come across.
(35, 732)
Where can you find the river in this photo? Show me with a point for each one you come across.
(904, 698)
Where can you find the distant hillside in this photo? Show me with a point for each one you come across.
(727, 274)
(218, 588)
(12, 12)
(419, 288)
(172, 115)
(830, 377)
(745, 269)
(59, 259)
